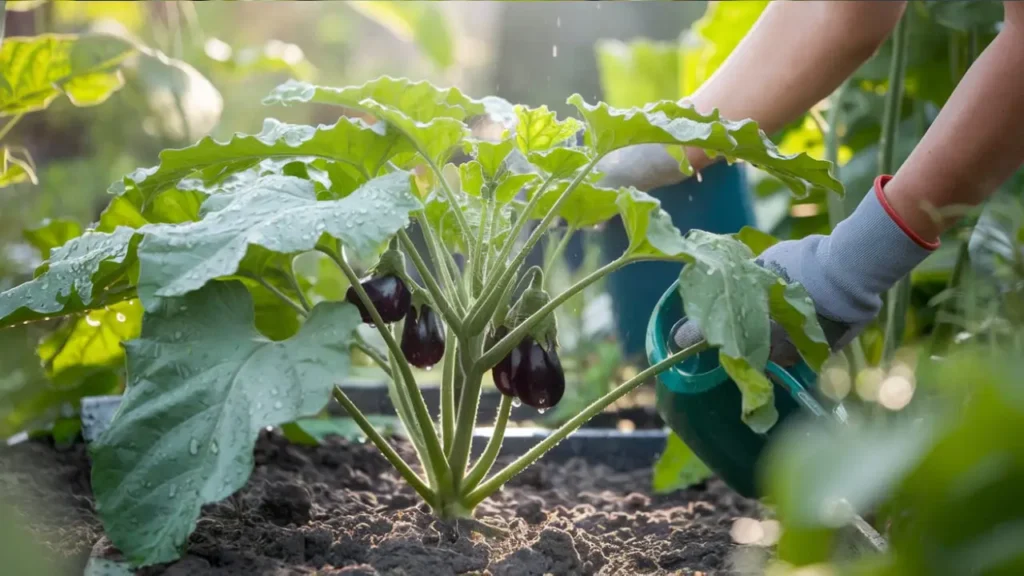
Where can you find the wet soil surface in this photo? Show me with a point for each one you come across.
(340, 509)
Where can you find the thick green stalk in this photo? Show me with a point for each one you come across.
(482, 309)
(447, 407)
(434, 449)
(559, 249)
(440, 302)
(379, 359)
(297, 287)
(452, 287)
(469, 402)
(899, 295)
(486, 461)
(278, 293)
(449, 194)
(400, 465)
(495, 482)
(510, 341)
(476, 269)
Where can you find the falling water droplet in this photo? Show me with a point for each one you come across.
(193, 447)
(517, 402)
(541, 410)
(699, 177)
(558, 22)
(554, 50)
(429, 368)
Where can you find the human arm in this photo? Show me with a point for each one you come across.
(795, 55)
(975, 143)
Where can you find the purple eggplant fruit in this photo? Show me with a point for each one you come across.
(389, 296)
(423, 337)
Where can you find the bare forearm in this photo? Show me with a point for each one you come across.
(796, 55)
(975, 144)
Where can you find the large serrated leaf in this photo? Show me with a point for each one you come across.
(16, 170)
(352, 141)
(68, 280)
(587, 205)
(560, 162)
(649, 228)
(678, 467)
(420, 101)
(669, 122)
(37, 69)
(279, 213)
(726, 293)
(203, 383)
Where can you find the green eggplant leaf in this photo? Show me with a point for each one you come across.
(36, 70)
(560, 162)
(678, 467)
(492, 155)
(351, 141)
(726, 293)
(669, 122)
(793, 309)
(755, 239)
(72, 279)
(539, 129)
(649, 228)
(202, 384)
(279, 213)
(587, 205)
(91, 341)
(51, 234)
(419, 101)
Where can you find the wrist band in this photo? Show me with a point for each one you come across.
(880, 183)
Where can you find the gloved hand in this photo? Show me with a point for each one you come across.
(845, 273)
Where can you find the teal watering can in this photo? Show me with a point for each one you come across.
(701, 404)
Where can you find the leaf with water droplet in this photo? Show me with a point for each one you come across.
(90, 342)
(70, 280)
(275, 213)
(164, 413)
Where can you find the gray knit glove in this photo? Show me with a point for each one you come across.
(845, 273)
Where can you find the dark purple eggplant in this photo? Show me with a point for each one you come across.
(423, 337)
(389, 296)
(539, 380)
(503, 371)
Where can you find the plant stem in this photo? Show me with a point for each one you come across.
(298, 289)
(434, 449)
(505, 345)
(277, 292)
(899, 295)
(10, 124)
(450, 196)
(378, 358)
(440, 265)
(504, 475)
(476, 269)
(447, 407)
(469, 402)
(559, 249)
(440, 302)
(400, 465)
(486, 461)
(483, 308)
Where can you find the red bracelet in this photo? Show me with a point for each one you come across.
(880, 183)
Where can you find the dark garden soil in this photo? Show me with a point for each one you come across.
(340, 509)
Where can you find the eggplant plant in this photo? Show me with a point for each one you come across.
(205, 243)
